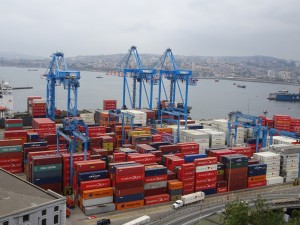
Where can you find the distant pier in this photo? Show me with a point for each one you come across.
(20, 88)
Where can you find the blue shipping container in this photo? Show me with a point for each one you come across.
(191, 158)
(47, 180)
(155, 171)
(35, 144)
(257, 170)
(194, 126)
(94, 175)
(210, 191)
(129, 198)
(175, 192)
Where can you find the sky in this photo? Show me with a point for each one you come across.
(188, 27)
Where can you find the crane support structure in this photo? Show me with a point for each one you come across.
(58, 74)
(177, 114)
(237, 119)
(171, 72)
(140, 75)
(117, 113)
(70, 127)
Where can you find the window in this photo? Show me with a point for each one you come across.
(56, 219)
(26, 218)
(5, 223)
(44, 221)
(44, 212)
(55, 208)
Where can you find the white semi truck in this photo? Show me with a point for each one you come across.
(189, 199)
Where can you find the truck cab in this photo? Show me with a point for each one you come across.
(177, 204)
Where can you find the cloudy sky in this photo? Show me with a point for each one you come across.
(189, 27)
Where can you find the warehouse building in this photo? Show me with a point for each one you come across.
(22, 203)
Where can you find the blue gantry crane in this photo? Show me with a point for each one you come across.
(237, 119)
(171, 72)
(58, 74)
(134, 68)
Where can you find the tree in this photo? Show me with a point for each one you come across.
(236, 213)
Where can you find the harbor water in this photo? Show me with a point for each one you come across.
(209, 99)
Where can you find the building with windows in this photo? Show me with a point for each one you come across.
(22, 203)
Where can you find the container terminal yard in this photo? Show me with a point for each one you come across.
(138, 164)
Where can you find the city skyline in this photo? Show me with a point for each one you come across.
(190, 28)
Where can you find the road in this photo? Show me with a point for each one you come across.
(164, 212)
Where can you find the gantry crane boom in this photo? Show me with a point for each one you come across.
(57, 74)
(140, 75)
(172, 72)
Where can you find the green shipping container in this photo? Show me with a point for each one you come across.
(16, 148)
(50, 167)
(13, 125)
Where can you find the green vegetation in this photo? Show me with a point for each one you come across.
(239, 213)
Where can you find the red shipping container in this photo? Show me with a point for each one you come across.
(13, 160)
(156, 138)
(205, 161)
(153, 179)
(257, 184)
(90, 165)
(46, 159)
(10, 142)
(175, 162)
(206, 181)
(94, 184)
(222, 190)
(128, 191)
(130, 170)
(142, 158)
(155, 191)
(157, 199)
(14, 170)
(129, 178)
(109, 104)
(205, 186)
(204, 175)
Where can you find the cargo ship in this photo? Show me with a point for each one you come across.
(285, 96)
(241, 86)
(6, 100)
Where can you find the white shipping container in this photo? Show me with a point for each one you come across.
(290, 156)
(97, 201)
(274, 180)
(206, 168)
(272, 174)
(161, 184)
(291, 173)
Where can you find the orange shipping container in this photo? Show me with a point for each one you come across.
(174, 185)
(130, 205)
(97, 193)
(256, 178)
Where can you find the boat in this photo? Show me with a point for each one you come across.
(285, 96)
(6, 100)
(99, 77)
(241, 86)
(265, 111)
(234, 83)
(216, 80)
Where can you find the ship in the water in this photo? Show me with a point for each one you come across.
(241, 86)
(285, 96)
(6, 100)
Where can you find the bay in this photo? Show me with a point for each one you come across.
(209, 99)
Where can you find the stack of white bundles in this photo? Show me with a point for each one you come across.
(273, 166)
(140, 118)
(283, 140)
(88, 118)
(216, 138)
(197, 136)
(289, 166)
(222, 125)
